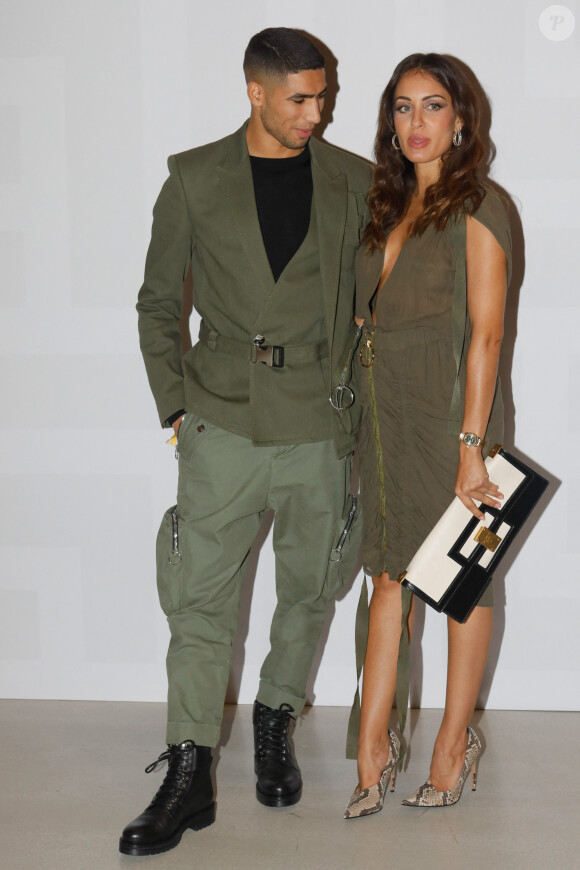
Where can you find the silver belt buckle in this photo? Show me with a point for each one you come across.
(270, 356)
(265, 355)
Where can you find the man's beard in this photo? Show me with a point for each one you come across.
(275, 131)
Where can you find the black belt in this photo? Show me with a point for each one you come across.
(257, 351)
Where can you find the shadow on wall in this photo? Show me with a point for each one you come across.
(331, 70)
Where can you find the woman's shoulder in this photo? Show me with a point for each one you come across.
(492, 213)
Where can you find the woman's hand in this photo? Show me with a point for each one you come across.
(473, 485)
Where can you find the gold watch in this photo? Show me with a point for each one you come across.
(471, 440)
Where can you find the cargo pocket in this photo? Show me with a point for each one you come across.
(344, 557)
(169, 562)
(191, 434)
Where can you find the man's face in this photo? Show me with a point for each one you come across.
(289, 110)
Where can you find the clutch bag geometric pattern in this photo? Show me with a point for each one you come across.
(455, 563)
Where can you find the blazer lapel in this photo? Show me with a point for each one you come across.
(331, 201)
(235, 175)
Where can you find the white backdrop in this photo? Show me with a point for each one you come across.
(93, 97)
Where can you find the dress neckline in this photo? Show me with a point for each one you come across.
(380, 287)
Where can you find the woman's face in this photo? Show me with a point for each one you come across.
(425, 119)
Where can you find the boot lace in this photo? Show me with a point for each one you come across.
(273, 732)
(179, 759)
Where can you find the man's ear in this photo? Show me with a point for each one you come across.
(256, 93)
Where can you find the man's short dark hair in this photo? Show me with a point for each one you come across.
(280, 51)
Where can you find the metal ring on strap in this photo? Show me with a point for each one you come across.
(341, 397)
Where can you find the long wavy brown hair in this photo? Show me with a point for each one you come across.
(458, 188)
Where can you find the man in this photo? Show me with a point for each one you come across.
(269, 221)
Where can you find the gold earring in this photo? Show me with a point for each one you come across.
(457, 138)
(395, 141)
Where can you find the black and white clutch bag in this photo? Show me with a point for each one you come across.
(454, 564)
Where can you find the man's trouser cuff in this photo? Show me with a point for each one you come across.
(202, 735)
(273, 697)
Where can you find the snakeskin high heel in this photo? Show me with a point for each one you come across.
(364, 802)
(428, 796)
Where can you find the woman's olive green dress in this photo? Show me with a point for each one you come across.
(412, 392)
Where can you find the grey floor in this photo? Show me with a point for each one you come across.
(72, 776)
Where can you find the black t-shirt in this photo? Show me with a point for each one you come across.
(283, 191)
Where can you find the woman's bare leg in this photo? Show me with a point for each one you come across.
(379, 679)
(468, 647)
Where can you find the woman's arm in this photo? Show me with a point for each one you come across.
(486, 292)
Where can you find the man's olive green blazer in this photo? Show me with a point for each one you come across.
(206, 217)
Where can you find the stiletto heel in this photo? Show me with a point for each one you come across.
(364, 802)
(428, 796)
(474, 774)
(393, 777)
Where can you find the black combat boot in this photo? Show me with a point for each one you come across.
(185, 800)
(279, 781)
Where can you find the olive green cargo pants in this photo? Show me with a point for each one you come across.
(225, 486)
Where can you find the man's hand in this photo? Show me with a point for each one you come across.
(177, 423)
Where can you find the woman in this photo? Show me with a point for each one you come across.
(432, 403)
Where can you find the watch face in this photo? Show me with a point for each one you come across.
(470, 439)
